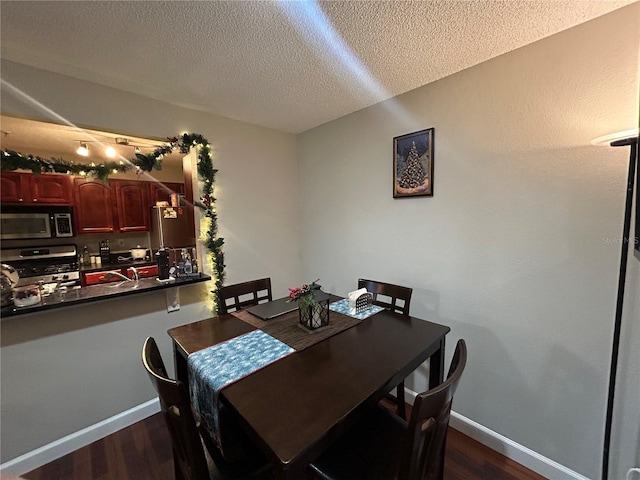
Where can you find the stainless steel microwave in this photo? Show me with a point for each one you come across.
(38, 222)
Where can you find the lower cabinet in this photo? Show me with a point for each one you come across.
(95, 278)
(144, 272)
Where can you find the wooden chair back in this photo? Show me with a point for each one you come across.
(399, 297)
(242, 295)
(189, 459)
(423, 457)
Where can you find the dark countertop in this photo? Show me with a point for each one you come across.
(101, 292)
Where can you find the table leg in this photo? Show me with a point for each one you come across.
(436, 366)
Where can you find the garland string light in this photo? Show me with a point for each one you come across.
(11, 160)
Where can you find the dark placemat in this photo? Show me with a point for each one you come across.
(285, 327)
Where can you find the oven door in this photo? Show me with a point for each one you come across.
(15, 226)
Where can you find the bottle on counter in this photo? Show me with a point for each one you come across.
(86, 256)
(162, 258)
(194, 261)
(188, 268)
(183, 254)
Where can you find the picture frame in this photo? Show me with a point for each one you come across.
(413, 164)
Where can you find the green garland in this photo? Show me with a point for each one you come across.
(206, 174)
(11, 160)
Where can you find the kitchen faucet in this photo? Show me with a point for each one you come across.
(136, 277)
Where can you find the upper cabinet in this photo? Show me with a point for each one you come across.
(161, 192)
(30, 189)
(122, 206)
(12, 189)
(94, 212)
(133, 205)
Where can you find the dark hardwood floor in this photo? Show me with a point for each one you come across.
(143, 452)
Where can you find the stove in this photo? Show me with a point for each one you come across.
(54, 264)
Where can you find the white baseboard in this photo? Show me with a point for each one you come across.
(59, 448)
(512, 450)
(507, 447)
(54, 450)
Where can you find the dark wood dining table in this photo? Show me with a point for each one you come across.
(297, 406)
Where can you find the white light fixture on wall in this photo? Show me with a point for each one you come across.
(621, 139)
(110, 152)
(83, 149)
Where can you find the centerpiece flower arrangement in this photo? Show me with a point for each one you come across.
(304, 295)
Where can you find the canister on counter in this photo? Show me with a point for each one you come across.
(162, 258)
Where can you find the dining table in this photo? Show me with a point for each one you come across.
(296, 406)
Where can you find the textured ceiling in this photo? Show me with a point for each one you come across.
(291, 65)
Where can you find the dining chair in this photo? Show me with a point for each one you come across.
(245, 294)
(385, 447)
(397, 299)
(187, 438)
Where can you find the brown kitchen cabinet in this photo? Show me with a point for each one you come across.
(94, 211)
(161, 192)
(122, 206)
(132, 204)
(32, 189)
(13, 187)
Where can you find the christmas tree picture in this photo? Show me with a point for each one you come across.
(413, 175)
(413, 164)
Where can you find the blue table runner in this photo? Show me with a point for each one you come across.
(342, 306)
(213, 368)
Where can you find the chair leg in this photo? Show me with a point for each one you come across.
(400, 402)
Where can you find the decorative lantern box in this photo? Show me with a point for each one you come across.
(315, 316)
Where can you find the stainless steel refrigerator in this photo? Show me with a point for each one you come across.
(171, 228)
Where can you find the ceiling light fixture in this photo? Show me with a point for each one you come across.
(83, 149)
(110, 152)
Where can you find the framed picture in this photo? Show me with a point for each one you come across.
(413, 164)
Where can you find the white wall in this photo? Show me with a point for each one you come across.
(511, 252)
(71, 368)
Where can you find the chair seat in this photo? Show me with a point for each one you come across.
(370, 450)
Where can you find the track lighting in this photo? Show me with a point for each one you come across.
(83, 149)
